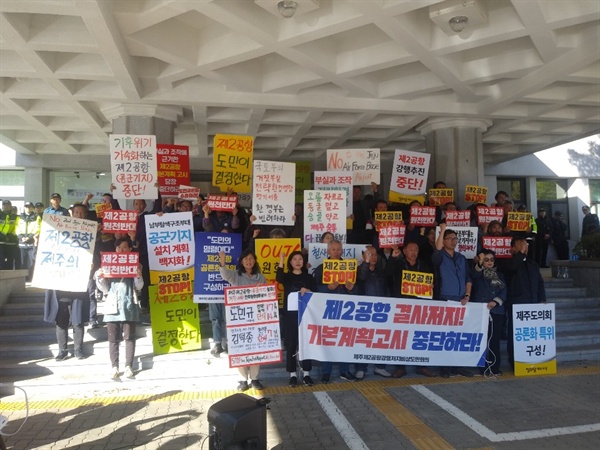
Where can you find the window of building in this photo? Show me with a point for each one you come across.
(12, 187)
(515, 187)
(551, 189)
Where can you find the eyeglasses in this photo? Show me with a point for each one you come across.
(488, 259)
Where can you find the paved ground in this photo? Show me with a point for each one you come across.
(551, 412)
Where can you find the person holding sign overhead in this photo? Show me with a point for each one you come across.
(247, 274)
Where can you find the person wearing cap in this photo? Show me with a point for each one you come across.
(544, 228)
(11, 258)
(559, 238)
(28, 229)
(39, 209)
(55, 207)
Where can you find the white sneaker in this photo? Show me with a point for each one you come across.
(382, 373)
(129, 373)
(359, 374)
(114, 374)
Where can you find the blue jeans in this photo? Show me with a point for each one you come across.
(216, 313)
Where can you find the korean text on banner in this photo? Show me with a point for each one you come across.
(119, 264)
(221, 202)
(364, 163)
(252, 325)
(208, 284)
(133, 166)
(498, 244)
(419, 284)
(303, 179)
(518, 221)
(188, 192)
(268, 252)
(475, 194)
(170, 241)
(409, 172)
(180, 282)
(324, 211)
(439, 197)
(390, 228)
(467, 240)
(335, 180)
(119, 221)
(339, 271)
(394, 197)
(422, 216)
(64, 255)
(534, 332)
(274, 193)
(458, 218)
(175, 322)
(173, 168)
(317, 253)
(487, 214)
(232, 162)
(382, 330)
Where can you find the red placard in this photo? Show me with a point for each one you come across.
(119, 221)
(221, 202)
(458, 218)
(173, 168)
(486, 214)
(499, 244)
(392, 235)
(188, 192)
(422, 216)
(120, 264)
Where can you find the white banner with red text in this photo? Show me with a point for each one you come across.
(382, 330)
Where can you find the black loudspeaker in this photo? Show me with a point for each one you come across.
(238, 422)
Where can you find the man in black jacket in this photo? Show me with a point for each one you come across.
(525, 285)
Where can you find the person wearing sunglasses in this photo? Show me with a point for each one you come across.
(489, 286)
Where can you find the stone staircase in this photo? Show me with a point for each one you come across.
(28, 346)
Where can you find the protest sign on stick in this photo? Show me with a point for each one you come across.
(232, 162)
(173, 168)
(273, 193)
(364, 163)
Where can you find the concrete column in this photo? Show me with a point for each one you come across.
(456, 149)
(144, 119)
(36, 185)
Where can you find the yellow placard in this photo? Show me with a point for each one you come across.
(528, 369)
(417, 284)
(232, 162)
(518, 221)
(475, 194)
(339, 271)
(100, 208)
(179, 277)
(175, 322)
(394, 197)
(268, 252)
(439, 197)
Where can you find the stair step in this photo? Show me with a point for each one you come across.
(562, 303)
(569, 325)
(552, 292)
(589, 353)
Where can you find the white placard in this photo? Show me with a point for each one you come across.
(273, 192)
(324, 211)
(335, 180)
(170, 241)
(364, 163)
(65, 251)
(133, 166)
(409, 172)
